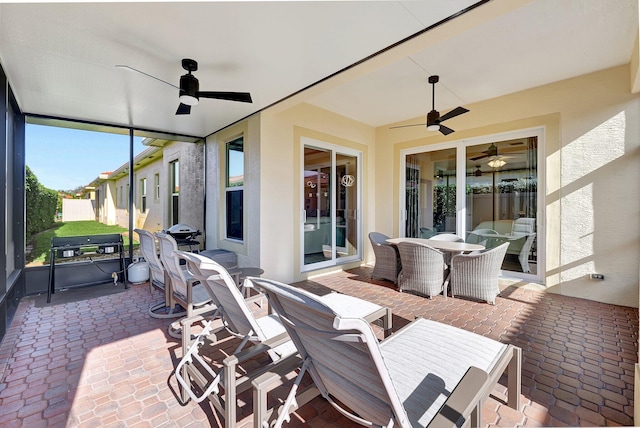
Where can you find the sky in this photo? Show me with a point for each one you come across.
(63, 159)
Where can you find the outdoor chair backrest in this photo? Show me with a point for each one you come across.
(422, 268)
(478, 235)
(523, 226)
(172, 263)
(150, 254)
(230, 302)
(447, 237)
(378, 238)
(341, 354)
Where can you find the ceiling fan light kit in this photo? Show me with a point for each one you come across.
(496, 163)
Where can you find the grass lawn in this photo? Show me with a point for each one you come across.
(42, 241)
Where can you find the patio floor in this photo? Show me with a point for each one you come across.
(105, 362)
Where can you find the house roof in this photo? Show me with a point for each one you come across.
(60, 58)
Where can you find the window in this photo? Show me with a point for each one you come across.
(143, 195)
(234, 189)
(175, 189)
(156, 183)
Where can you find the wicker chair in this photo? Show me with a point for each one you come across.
(447, 237)
(423, 269)
(481, 236)
(387, 259)
(476, 274)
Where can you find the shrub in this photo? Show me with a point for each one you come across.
(40, 205)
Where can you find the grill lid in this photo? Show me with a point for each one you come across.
(180, 229)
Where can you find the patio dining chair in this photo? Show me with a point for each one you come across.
(148, 247)
(183, 288)
(425, 374)
(482, 237)
(451, 237)
(476, 274)
(238, 320)
(423, 269)
(387, 265)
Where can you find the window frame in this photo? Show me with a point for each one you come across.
(143, 195)
(174, 183)
(229, 189)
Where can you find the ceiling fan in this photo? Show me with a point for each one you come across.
(491, 151)
(434, 120)
(189, 89)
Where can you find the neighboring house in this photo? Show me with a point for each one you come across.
(158, 199)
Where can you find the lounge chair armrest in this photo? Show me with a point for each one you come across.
(233, 360)
(191, 320)
(463, 400)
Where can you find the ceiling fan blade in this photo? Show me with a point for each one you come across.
(183, 109)
(479, 157)
(406, 126)
(445, 131)
(126, 67)
(453, 113)
(243, 97)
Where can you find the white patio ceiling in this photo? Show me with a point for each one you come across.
(60, 57)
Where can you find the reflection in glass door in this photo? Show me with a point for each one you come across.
(501, 199)
(331, 226)
(430, 199)
(485, 192)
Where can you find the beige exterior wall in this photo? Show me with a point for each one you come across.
(591, 170)
(281, 207)
(248, 250)
(153, 218)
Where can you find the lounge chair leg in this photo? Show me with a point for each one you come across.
(514, 380)
(475, 418)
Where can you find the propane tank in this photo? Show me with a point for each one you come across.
(138, 272)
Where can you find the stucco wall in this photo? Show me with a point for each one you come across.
(191, 192)
(248, 250)
(153, 218)
(591, 169)
(280, 181)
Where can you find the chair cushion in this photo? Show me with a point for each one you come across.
(427, 360)
(345, 305)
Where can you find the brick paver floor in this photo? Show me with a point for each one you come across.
(105, 362)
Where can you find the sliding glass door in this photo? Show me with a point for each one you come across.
(483, 190)
(331, 231)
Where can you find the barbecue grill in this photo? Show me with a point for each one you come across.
(184, 235)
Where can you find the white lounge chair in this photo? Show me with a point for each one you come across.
(238, 320)
(148, 247)
(426, 374)
(183, 288)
